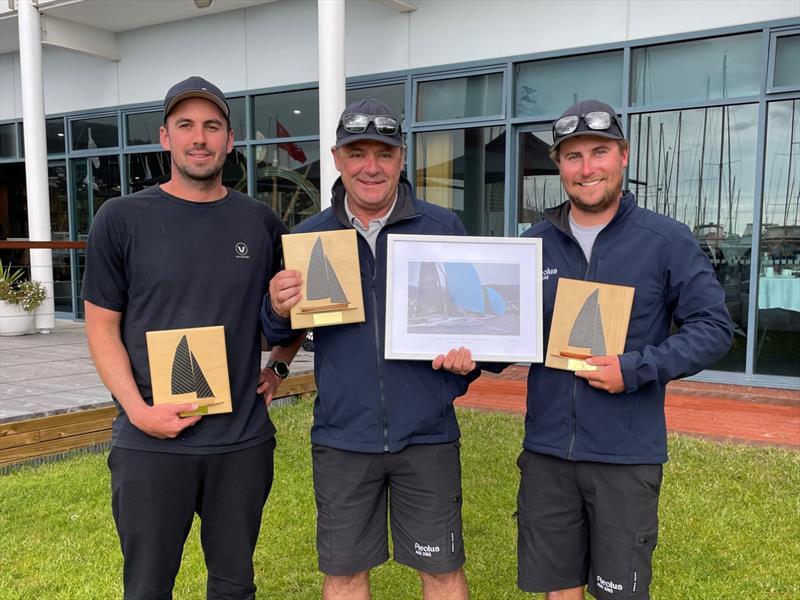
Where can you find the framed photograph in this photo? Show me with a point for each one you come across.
(483, 293)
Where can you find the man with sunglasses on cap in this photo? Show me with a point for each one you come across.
(187, 253)
(594, 444)
(385, 434)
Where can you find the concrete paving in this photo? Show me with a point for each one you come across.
(46, 374)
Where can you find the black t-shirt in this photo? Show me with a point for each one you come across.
(168, 263)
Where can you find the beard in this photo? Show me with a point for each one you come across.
(607, 200)
(200, 174)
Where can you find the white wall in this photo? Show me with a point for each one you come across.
(275, 44)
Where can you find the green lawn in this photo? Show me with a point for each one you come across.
(729, 523)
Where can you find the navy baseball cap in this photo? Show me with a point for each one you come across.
(588, 117)
(368, 119)
(195, 87)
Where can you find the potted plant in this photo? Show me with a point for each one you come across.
(19, 298)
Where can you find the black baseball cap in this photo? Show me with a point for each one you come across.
(195, 87)
(580, 110)
(371, 107)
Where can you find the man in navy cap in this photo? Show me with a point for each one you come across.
(188, 253)
(594, 444)
(385, 434)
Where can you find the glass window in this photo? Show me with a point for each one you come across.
(726, 67)
(59, 224)
(96, 132)
(787, 61)
(144, 128)
(238, 118)
(287, 179)
(464, 170)
(95, 180)
(460, 97)
(548, 87)
(539, 184)
(697, 166)
(147, 169)
(778, 344)
(286, 114)
(234, 171)
(54, 130)
(8, 140)
(393, 96)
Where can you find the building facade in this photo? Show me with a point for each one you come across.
(710, 100)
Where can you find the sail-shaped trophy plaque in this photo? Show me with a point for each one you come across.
(190, 365)
(328, 262)
(589, 319)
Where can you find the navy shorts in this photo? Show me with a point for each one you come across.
(585, 523)
(421, 488)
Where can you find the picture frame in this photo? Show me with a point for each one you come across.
(482, 293)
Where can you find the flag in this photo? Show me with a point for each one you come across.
(293, 150)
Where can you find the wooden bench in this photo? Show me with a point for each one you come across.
(32, 439)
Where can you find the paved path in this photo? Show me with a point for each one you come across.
(736, 413)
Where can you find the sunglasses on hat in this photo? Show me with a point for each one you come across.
(597, 120)
(358, 123)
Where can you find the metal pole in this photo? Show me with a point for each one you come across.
(30, 59)
(330, 27)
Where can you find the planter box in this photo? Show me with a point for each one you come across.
(14, 320)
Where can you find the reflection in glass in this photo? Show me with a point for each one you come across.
(464, 170)
(143, 128)
(287, 179)
(778, 344)
(95, 132)
(234, 172)
(59, 224)
(697, 166)
(238, 118)
(94, 180)
(539, 184)
(726, 67)
(394, 96)
(54, 130)
(286, 114)
(8, 140)
(548, 87)
(147, 169)
(460, 97)
(787, 61)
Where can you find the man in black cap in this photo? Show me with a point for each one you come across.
(594, 444)
(385, 433)
(188, 253)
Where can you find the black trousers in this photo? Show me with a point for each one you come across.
(154, 497)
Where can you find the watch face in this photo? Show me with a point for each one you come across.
(280, 368)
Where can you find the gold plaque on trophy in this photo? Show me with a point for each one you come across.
(589, 319)
(190, 365)
(328, 261)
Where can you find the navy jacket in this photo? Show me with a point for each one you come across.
(674, 281)
(366, 403)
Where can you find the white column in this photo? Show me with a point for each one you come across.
(330, 28)
(30, 59)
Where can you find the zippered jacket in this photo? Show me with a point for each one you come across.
(674, 282)
(364, 402)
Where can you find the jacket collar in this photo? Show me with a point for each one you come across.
(403, 208)
(559, 215)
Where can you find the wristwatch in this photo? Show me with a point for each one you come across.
(280, 368)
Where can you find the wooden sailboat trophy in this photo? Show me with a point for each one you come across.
(190, 365)
(328, 261)
(589, 319)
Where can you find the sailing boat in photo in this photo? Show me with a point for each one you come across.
(324, 292)
(586, 338)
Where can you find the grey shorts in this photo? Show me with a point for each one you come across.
(421, 488)
(586, 523)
